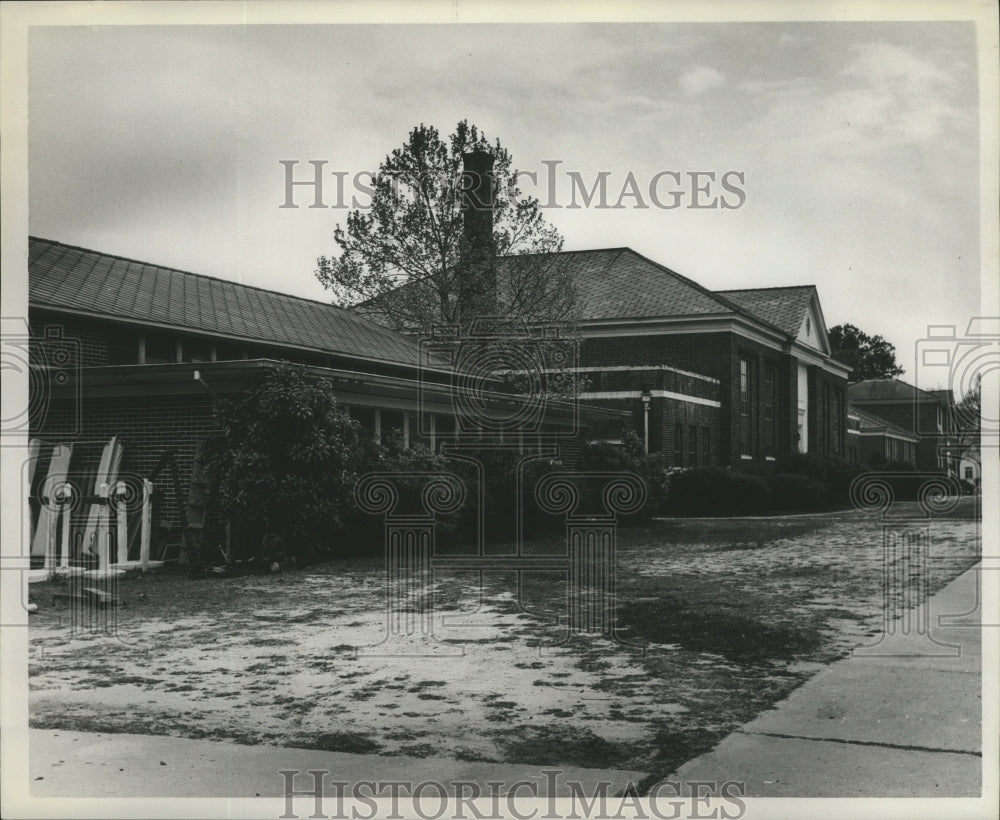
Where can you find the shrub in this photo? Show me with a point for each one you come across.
(716, 491)
(286, 462)
(652, 468)
(796, 493)
(836, 473)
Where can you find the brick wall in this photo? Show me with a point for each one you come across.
(718, 355)
(664, 416)
(89, 341)
(148, 426)
(902, 414)
(760, 358)
(825, 437)
(704, 353)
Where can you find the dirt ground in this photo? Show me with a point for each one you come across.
(734, 614)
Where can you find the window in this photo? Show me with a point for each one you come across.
(160, 348)
(706, 446)
(968, 474)
(692, 446)
(196, 350)
(823, 419)
(746, 376)
(768, 411)
(678, 445)
(835, 410)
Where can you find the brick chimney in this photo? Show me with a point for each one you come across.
(477, 286)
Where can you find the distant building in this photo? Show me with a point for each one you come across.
(928, 415)
(873, 440)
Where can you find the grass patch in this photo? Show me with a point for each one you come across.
(548, 745)
(351, 742)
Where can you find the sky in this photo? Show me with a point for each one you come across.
(857, 144)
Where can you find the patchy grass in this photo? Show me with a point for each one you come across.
(560, 744)
(734, 615)
(351, 742)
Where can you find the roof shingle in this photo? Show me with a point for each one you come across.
(887, 390)
(66, 277)
(784, 307)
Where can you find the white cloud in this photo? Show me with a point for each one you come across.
(700, 79)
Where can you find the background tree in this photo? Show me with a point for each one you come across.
(968, 418)
(870, 357)
(401, 261)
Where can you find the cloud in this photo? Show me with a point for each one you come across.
(877, 62)
(700, 79)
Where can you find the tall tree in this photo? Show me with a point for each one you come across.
(404, 260)
(870, 357)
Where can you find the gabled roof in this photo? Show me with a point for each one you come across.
(69, 278)
(871, 421)
(618, 283)
(887, 390)
(783, 307)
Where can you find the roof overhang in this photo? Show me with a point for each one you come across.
(357, 389)
(671, 325)
(174, 328)
(810, 355)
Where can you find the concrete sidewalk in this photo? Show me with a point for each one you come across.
(92, 764)
(878, 724)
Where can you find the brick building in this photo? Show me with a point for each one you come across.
(725, 378)
(926, 414)
(873, 440)
(139, 351)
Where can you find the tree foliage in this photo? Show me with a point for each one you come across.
(968, 417)
(870, 357)
(401, 260)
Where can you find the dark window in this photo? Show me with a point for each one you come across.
(746, 378)
(768, 410)
(823, 419)
(228, 351)
(678, 445)
(160, 348)
(706, 445)
(194, 349)
(692, 446)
